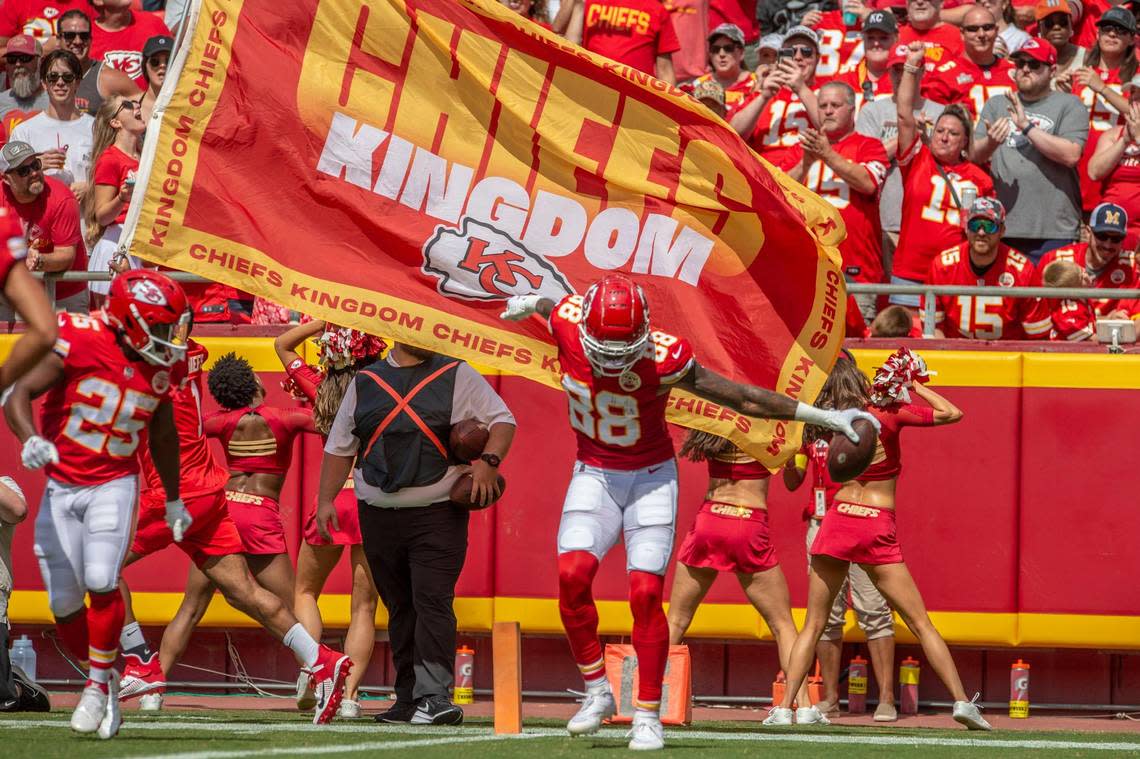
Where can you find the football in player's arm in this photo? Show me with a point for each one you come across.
(699, 380)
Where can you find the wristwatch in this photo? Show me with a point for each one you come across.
(1028, 127)
(492, 460)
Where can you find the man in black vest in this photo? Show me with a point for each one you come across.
(392, 432)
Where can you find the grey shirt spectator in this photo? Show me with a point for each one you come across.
(879, 119)
(1043, 197)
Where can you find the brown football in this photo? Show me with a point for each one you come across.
(461, 493)
(847, 460)
(468, 439)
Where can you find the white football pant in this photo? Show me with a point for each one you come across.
(603, 503)
(82, 535)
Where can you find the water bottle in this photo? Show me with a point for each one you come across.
(850, 19)
(464, 675)
(908, 686)
(1019, 690)
(968, 195)
(857, 686)
(23, 655)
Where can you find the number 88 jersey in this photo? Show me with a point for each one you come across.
(98, 415)
(619, 421)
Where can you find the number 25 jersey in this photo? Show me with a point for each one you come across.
(619, 421)
(100, 412)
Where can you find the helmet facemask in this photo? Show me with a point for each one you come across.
(612, 358)
(166, 343)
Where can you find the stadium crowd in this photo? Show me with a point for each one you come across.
(990, 144)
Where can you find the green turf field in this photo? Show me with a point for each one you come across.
(225, 734)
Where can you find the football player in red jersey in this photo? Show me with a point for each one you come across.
(107, 383)
(975, 76)
(1103, 258)
(27, 298)
(617, 372)
(985, 260)
(208, 535)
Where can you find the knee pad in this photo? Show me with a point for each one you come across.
(101, 578)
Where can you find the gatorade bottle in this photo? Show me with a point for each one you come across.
(1019, 690)
(908, 686)
(857, 686)
(464, 675)
(815, 686)
(23, 655)
(778, 687)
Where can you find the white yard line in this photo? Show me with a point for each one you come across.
(431, 736)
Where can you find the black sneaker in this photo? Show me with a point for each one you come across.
(437, 710)
(401, 711)
(33, 698)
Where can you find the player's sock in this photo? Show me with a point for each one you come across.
(73, 633)
(132, 642)
(298, 640)
(104, 623)
(576, 572)
(650, 637)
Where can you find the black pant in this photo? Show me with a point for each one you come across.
(9, 696)
(416, 555)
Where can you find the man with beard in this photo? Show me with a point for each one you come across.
(397, 415)
(25, 97)
(156, 57)
(100, 81)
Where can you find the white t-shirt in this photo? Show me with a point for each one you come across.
(45, 133)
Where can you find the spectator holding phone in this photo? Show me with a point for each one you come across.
(118, 137)
(61, 134)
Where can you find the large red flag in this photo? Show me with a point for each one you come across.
(404, 166)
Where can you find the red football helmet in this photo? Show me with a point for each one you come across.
(152, 314)
(615, 324)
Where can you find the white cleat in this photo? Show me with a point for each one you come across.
(969, 714)
(306, 693)
(113, 716)
(597, 708)
(90, 710)
(778, 716)
(348, 709)
(647, 733)
(811, 716)
(150, 702)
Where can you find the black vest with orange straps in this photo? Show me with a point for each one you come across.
(403, 420)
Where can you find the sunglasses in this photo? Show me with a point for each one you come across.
(28, 168)
(1028, 63)
(805, 51)
(75, 36)
(974, 28)
(732, 47)
(134, 105)
(982, 226)
(60, 76)
(1108, 237)
(19, 58)
(1116, 29)
(1057, 19)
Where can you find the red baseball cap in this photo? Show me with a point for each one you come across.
(22, 44)
(1039, 50)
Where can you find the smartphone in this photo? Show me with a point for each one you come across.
(785, 52)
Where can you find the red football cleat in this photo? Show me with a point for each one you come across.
(329, 673)
(141, 677)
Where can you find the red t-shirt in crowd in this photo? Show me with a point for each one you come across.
(37, 18)
(988, 317)
(114, 167)
(122, 50)
(739, 12)
(943, 43)
(1122, 187)
(50, 221)
(963, 81)
(930, 219)
(840, 47)
(690, 24)
(1086, 32)
(1102, 117)
(633, 32)
(862, 250)
(778, 129)
(1120, 272)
